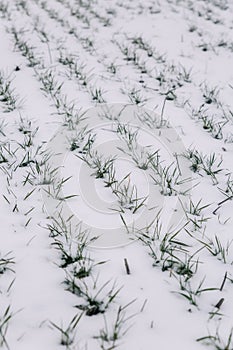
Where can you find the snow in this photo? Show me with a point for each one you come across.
(159, 72)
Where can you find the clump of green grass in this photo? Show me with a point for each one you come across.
(68, 333)
(216, 341)
(5, 319)
(110, 337)
(208, 164)
(96, 299)
(6, 261)
(8, 96)
(127, 195)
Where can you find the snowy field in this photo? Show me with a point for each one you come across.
(116, 174)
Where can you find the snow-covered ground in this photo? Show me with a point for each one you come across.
(116, 185)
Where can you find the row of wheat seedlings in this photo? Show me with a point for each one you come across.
(10, 99)
(83, 279)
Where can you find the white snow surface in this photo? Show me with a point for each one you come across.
(104, 42)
